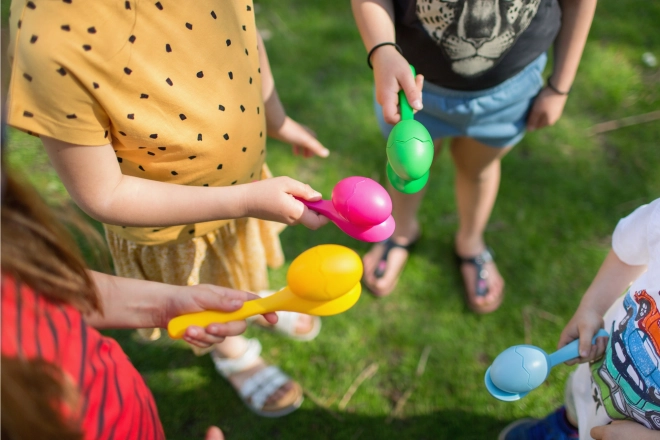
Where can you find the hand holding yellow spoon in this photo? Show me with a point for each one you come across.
(322, 281)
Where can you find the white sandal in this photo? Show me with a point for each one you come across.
(288, 321)
(256, 390)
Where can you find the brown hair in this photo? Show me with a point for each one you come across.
(38, 251)
(34, 393)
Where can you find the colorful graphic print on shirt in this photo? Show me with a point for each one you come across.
(475, 34)
(626, 380)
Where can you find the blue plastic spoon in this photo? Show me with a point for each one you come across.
(521, 368)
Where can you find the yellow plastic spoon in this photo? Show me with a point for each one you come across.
(322, 281)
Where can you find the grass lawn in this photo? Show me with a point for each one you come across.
(561, 196)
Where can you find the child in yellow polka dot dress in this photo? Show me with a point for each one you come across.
(155, 114)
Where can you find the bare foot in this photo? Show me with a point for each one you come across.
(391, 269)
(490, 279)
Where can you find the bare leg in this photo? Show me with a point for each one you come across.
(477, 183)
(404, 211)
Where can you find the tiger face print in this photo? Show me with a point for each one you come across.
(475, 34)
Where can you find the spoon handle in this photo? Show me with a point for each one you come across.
(177, 326)
(570, 351)
(405, 108)
(324, 207)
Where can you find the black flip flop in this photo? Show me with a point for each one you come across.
(481, 281)
(481, 286)
(389, 245)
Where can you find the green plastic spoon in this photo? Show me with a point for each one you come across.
(409, 150)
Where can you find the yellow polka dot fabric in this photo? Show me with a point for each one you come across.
(173, 85)
(235, 255)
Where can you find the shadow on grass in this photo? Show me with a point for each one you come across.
(191, 396)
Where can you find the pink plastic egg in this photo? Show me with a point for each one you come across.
(361, 201)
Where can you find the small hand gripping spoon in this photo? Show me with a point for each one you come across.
(322, 281)
(409, 150)
(360, 207)
(521, 368)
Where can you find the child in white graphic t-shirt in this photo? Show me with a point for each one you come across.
(617, 394)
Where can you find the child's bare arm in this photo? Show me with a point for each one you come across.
(577, 16)
(129, 303)
(278, 125)
(611, 281)
(375, 21)
(92, 176)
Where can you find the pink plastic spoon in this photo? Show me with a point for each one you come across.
(360, 207)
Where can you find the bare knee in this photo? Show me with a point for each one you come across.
(478, 174)
(476, 162)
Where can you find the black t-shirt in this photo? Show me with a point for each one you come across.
(474, 44)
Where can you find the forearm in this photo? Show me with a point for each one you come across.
(129, 303)
(142, 202)
(114, 198)
(612, 279)
(577, 16)
(375, 21)
(275, 113)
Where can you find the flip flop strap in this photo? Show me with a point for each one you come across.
(481, 259)
(391, 244)
(481, 289)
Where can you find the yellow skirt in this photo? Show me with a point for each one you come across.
(236, 255)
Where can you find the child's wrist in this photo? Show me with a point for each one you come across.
(558, 87)
(380, 47)
(242, 201)
(384, 51)
(590, 305)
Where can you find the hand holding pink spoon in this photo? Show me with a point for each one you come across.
(360, 207)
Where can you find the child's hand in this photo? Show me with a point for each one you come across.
(191, 299)
(623, 430)
(546, 110)
(302, 139)
(584, 324)
(391, 74)
(274, 199)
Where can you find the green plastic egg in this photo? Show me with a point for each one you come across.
(410, 149)
(406, 186)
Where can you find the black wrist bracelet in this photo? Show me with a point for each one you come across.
(556, 90)
(381, 45)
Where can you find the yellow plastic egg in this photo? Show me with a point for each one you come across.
(324, 272)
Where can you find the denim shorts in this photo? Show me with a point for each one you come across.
(495, 117)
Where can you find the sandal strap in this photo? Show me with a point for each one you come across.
(390, 244)
(484, 257)
(261, 385)
(228, 366)
(286, 322)
(481, 288)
